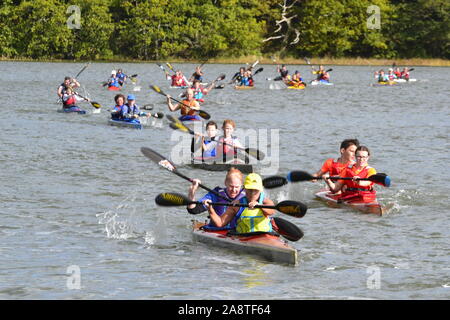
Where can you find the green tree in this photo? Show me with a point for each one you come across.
(7, 13)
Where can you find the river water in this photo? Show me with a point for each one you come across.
(79, 221)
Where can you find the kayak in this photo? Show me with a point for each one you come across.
(73, 109)
(113, 88)
(266, 245)
(215, 164)
(244, 87)
(373, 207)
(134, 123)
(404, 80)
(297, 87)
(321, 82)
(385, 83)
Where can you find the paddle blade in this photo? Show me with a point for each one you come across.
(274, 182)
(205, 115)
(255, 153)
(171, 200)
(292, 208)
(170, 66)
(329, 70)
(258, 71)
(381, 178)
(148, 107)
(306, 60)
(179, 126)
(297, 176)
(158, 159)
(221, 77)
(221, 86)
(157, 89)
(158, 115)
(171, 118)
(96, 105)
(287, 229)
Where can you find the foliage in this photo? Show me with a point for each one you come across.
(205, 29)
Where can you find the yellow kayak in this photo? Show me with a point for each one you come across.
(296, 87)
(244, 87)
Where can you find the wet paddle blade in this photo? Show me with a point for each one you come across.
(158, 159)
(205, 115)
(171, 199)
(158, 115)
(178, 126)
(158, 90)
(381, 178)
(297, 176)
(288, 230)
(292, 208)
(96, 105)
(274, 182)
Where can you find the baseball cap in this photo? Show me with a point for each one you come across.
(131, 97)
(253, 181)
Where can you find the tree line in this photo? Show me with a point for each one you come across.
(202, 29)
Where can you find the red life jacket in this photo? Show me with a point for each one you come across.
(178, 81)
(355, 192)
(69, 100)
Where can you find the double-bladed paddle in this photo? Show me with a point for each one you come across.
(205, 115)
(84, 68)
(287, 229)
(178, 125)
(299, 176)
(291, 208)
(96, 105)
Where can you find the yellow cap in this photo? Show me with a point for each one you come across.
(253, 181)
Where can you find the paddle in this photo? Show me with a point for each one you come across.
(291, 208)
(258, 71)
(178, 125)
(168, 165)
(286, 228)
(205, 115)
(96, 105)
(84, 68)
(298, 176)
(170, 67)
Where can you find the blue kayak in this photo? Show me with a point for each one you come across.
(128, 123)
(73, 109)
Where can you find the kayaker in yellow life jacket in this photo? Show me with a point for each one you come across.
(248, 219)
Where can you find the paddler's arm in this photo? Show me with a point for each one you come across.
(224, 219)
(171, 106)
(194, 208)
(267, 202)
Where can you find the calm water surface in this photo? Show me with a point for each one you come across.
(77, 192)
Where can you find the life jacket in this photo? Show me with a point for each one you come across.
(228, 148)
(405, 75)
(209, 153)
(220, 210)
(178, 81)
(245, 81)
(354, 192)
(383, 78)
(118, 112)
(69, 100)
(114, 82)
(325, 76)
(391, 77)
(185, 111)
(198, 94)
(197, 76)
(252, 220)
(132, 110)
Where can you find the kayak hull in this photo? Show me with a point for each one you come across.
(266, 246)
(113, 88)
(73, 109)
(244, 87)
(218, 165)
(126, 124)
(296, 87)
(321, 83)
(365, 207)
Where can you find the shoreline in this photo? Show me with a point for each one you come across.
(266, 60)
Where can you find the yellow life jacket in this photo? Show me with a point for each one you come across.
(252, 220)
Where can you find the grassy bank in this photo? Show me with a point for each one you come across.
(267, 60)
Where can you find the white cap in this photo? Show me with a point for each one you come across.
(113, 72)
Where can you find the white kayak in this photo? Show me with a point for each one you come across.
(404, 80)
(321, 83)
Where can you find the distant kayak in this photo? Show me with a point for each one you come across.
(321, 82)
(404, 80)
(384, 83)
(244, 87)
(73, 109)
(113, 88)
(128, 123)
(297, 87)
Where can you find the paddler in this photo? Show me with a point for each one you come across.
(178, 79)
(233, 191)
(122, 77)
(397, 73)
(381, 76)
(228, 144)
(68, 83)
(70, 100)
(120, 110)
(321, 74)
(296, 80)
(237, 78)
(200, 91)
(132, 109)
(405, 73)
(248, 219)
(197, 75)
(355, 190)
(284, 73)
(113, 80)
(391, 75)
(334, 167)
(188, 106)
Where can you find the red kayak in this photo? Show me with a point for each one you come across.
(113, 88)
